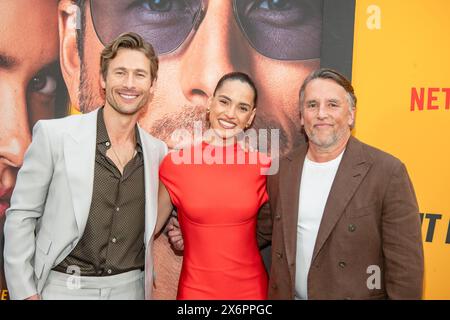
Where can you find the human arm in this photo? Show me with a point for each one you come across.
(164, 207)
(27, 206)
(402, 239)
(264, 226)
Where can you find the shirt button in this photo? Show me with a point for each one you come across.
(278, 217)
(342, 264)
(107, 144)
(351, 227)
(117, 209)
(279, 255)
(114, 240)
(109, 271)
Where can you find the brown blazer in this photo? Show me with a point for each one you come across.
(371, 218)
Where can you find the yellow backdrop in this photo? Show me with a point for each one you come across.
(401, 74)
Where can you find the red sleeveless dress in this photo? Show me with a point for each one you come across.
(218, 203)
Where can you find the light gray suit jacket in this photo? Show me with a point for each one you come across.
(51, 201)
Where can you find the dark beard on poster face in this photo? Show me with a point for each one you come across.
(288, 142)
(164, 127)
(86, 100)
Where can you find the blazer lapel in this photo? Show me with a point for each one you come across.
(79, 156)
(290, 175)
(352, 170)
(151, 166)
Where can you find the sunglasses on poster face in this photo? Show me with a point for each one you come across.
(277, 29)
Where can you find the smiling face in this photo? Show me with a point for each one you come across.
(231, 108)
(128, 83)
(326, 114)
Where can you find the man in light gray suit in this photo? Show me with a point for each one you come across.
(83, 211)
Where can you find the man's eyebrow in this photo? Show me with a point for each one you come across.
(334, 100)
(141, 70)
(7, 61)
(328, 100)
(134, 70)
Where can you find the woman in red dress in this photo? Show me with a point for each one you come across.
(218, 187)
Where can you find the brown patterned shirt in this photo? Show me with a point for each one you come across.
(113, 240)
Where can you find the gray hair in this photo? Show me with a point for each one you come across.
(325, 73)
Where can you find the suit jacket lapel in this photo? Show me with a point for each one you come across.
(290, 177)
(151, 170)
(151, 159)
(352, 170)
(79, 156)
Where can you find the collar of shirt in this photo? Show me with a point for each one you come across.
(103, 141)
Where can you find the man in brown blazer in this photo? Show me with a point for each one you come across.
(342, 218)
